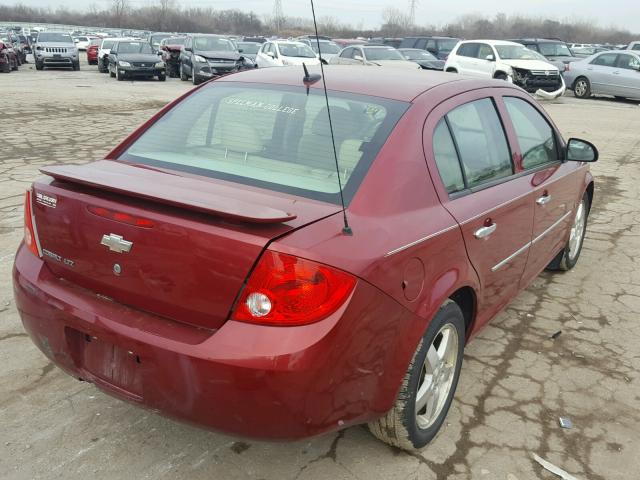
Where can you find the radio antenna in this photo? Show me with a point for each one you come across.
(346, 229)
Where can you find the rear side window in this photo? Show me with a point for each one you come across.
(481, 142)
(446, 157)
(605, 60)
(535, 135)
(272, 137)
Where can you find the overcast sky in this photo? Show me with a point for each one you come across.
(368, 13)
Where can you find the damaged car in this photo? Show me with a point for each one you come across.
(206, 270)
(508, 61)
(204, 57)
(170, 49)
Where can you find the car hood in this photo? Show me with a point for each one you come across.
(220, 54)
(57, 44)
(396, 64)
(139, 57)
(437, 64)
(530, 64)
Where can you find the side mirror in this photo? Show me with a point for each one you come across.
(188, 49)
(581, 151)
(270, 54)
(358, 58)
(490, 58)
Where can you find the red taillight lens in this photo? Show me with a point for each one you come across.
(286, 290)
(121, 217)
(30, 235)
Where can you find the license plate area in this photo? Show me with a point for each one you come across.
(56, 55)
(106, 363)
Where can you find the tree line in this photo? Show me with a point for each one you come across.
(167, 15)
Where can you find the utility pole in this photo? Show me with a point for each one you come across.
(278, 16)
(413, 4)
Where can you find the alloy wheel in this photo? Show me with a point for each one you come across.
(581, 88)
(437, 375)
(576, 236)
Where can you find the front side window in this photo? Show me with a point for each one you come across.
(535, 136)
(484, 51)
(445, 46)
(347, 52)
(481, 141)
(468, 49)
(276, 138)
(628, 62)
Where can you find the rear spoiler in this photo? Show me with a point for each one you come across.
(149, 184)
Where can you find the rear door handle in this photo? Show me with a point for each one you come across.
(543, 200)
(484, 232)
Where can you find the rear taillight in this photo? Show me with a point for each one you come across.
(30, 233)
(286, 290)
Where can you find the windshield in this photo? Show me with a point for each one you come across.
(417, 55)
(249, 47)
(156, 39)
(447, 45)
(554, 50)
(516, 52)
(374, 54)
(54, 37)
(174, 41)
(134, 47)
(235, 132)
(325, 47)
(213, 44)
(296, 50)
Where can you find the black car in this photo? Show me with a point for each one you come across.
(210, 56)
(439, 47)
(129, 59)
(555, 51)
(423, 58)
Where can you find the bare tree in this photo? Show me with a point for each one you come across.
(120, 9)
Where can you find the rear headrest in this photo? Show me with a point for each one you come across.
(241, 138)
(342, 122)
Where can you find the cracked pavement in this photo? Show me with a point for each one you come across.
(516, 379)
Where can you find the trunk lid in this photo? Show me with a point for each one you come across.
(176, 246)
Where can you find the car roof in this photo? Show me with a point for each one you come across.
(539, 40)
(494, 42)
(348, 79)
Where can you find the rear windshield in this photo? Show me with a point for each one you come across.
(54, 37)
(272, 137)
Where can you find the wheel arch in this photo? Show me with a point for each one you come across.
(500, 72)
(452, 70)
(466, 298)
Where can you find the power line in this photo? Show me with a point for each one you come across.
(413, 4)
(278, 16)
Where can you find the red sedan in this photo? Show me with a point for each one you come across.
(92, 51)
(203, 269)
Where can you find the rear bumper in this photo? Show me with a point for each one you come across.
(250, 380)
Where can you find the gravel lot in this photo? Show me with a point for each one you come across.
(516, 380)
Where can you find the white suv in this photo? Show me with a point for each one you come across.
(506, 61)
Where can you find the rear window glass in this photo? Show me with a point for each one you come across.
(272, 137)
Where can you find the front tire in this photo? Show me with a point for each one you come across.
(183, 76)
(39, 65)
(569, 255)
(428, 386)
(162, 77)
(582, 87)
(119, 74)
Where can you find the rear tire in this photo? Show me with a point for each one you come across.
(442, 345)
(569, 255)
(582, 87)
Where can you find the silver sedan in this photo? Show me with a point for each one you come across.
(615, 73)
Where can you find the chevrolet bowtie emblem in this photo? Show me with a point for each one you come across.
(116, 243)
